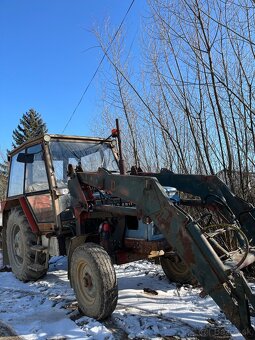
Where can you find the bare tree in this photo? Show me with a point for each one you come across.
(193, 94)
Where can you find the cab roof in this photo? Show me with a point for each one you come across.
(56, 137)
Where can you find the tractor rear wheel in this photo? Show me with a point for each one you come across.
(20, 239)
(94, 281)
(176, 270)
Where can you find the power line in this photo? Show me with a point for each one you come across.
(98, 67)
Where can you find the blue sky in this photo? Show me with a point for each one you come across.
(45, 63)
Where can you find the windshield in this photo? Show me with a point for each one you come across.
(91, 156)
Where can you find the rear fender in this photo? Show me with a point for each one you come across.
(28, 213)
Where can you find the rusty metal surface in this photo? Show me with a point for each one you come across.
(123, 257)
(144, 247)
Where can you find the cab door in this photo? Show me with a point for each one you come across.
(36, 187)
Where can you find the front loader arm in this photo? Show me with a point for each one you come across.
(212, 190)
(228, 289)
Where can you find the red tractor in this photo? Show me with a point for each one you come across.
(49, 212)
(71, 196)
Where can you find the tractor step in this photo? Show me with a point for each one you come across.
(38, 247)
(36, 267)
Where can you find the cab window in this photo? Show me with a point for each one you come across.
(36, 175)
(16, 179)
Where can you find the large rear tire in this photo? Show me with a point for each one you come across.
(20, 239)
(176, 270)
(94, 281)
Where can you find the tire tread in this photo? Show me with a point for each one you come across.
(102, 263)
(23, 272)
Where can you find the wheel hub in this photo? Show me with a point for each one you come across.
(87, 281)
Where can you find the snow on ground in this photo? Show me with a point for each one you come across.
(47, 309)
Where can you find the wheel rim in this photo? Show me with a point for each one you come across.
(86, 283)
(17, 246)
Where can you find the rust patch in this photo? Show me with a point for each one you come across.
(124, 191)
(144, 247)
(188, 255)
(175, 233)
(164, 218)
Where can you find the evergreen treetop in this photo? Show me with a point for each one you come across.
(31, 125)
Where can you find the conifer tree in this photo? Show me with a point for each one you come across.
(31, 125)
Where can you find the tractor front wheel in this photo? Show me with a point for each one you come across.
(20, 239)
(94, 281)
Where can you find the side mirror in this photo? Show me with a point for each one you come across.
(25, 157)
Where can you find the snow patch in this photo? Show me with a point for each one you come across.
(47, 309)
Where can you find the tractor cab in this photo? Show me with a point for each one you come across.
(39, 175)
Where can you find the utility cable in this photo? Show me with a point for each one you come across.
(98, 67)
